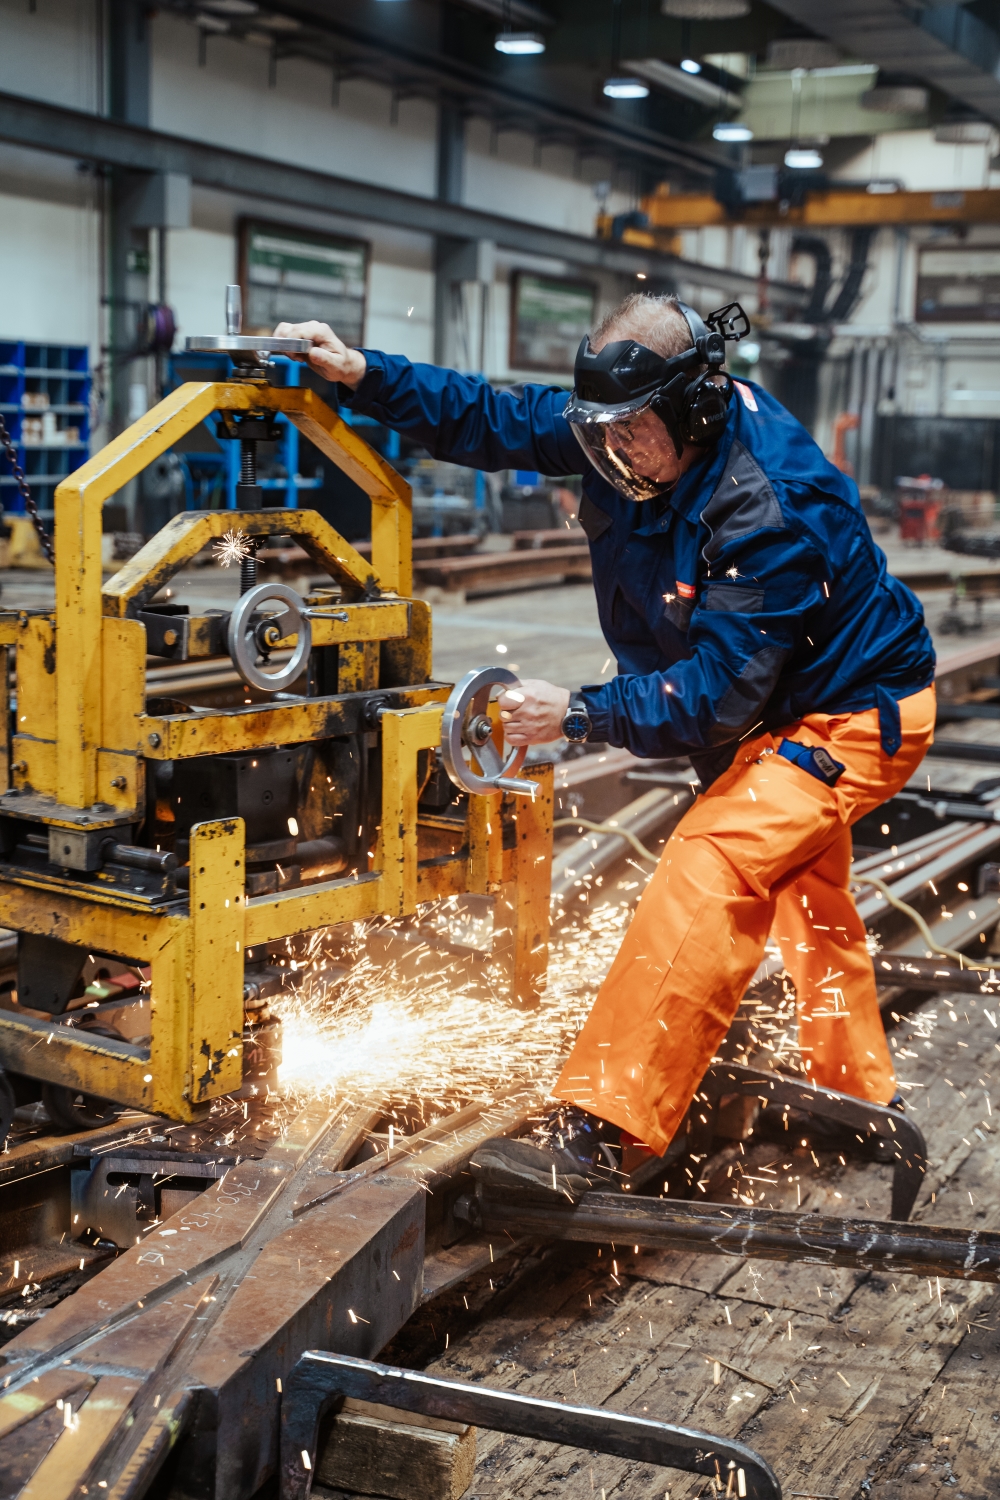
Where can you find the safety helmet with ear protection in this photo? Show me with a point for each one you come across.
(620, 387)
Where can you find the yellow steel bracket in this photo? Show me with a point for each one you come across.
(87, 674)
(404, 732)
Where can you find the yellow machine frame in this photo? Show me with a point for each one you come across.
(76, 762)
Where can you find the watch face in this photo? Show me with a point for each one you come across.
(576, 726)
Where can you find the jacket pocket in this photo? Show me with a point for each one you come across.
(736, 598)
(678, 612)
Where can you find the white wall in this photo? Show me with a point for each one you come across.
(923, 164)
(52, 297)
(52, 53)
(228, 102)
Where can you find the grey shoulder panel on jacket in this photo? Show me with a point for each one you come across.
(743, 502)
(592, 518)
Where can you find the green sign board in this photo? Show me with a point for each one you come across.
(293, 275)
(549, 317)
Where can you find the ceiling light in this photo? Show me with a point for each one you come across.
(732, 132)
(520, 43)
(690, 66)
(625, 88)
(803, 158)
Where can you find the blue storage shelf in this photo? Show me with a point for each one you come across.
(44, 395)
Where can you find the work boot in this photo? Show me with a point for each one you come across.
(568, 1152)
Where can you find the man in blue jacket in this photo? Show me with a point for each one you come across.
(757, 631)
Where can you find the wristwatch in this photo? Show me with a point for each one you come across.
(576, 724)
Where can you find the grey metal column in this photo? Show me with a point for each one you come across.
(129, 77)
(448, 251)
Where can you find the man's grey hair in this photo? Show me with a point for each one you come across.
(655, 321)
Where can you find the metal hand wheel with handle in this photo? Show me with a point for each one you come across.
(264, 616)
(467, 738)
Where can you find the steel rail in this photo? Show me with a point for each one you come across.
(769, 1234)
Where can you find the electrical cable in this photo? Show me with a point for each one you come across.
(922, 927)
(608, 828)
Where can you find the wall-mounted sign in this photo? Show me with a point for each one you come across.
(548, 318)
(959, 286)
(291, 275)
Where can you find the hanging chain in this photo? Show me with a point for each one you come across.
(44, 540)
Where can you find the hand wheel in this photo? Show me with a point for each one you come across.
(467, 726)
(255, 629)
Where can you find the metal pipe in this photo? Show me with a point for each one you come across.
(708, 1228)
(328, 854)
(596, 853)
(159, 861)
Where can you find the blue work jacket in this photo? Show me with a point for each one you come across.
(751, 595)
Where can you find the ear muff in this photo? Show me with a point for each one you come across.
(705, 408)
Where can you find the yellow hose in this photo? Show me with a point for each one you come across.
(607, 828)
(921, 925)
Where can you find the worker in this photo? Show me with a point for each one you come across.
(758, 632)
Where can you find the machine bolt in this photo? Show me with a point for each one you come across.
(480, 730)
(120, 782)
(154, 740)
(170, 638)
(19, 766)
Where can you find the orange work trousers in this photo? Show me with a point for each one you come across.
(766, 848)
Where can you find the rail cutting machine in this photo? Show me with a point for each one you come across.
(191, 842)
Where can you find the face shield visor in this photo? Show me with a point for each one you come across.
(633, 411)
(628, 445)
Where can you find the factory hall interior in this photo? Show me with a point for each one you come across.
(499, 749)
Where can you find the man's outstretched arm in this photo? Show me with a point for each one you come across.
(458, 418)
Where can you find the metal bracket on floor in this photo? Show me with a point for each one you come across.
(896, 1138)
(321, 1381)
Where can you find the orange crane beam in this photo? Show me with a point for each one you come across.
(826, 210)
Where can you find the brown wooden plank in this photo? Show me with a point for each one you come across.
(377, 1450)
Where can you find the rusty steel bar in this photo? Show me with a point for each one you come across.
(708, 1228)
(321, 1381)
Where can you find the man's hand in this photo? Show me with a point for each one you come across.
(330, 356)
(533, 711)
